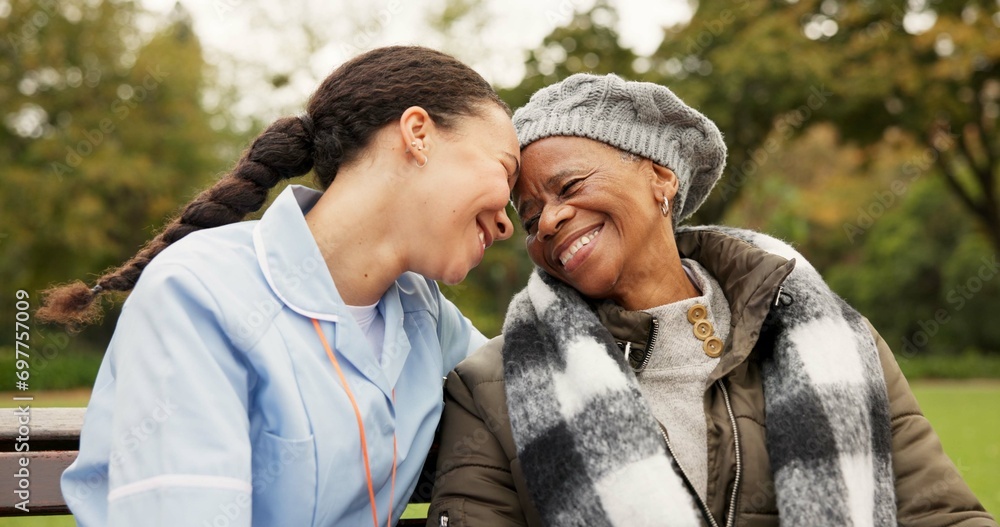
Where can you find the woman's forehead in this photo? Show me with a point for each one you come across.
(557, 152)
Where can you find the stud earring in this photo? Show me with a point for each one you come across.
(413, 144)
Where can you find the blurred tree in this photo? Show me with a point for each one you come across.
(925, 278)
(915, 257)
(588, 43)
(939, 82)
(732, 62)
(104, 136)
(927, 68)
(806, 191)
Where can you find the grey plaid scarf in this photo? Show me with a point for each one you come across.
(592, 454)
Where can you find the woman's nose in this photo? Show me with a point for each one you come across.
(552, 219)
(505, 229)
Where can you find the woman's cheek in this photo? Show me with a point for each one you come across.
(534, 253)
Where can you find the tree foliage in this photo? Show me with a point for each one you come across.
(757, 67)
(865, 132)
(929, 69)
(104, 136)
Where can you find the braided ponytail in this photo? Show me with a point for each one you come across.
(283, 151)
(345, 113)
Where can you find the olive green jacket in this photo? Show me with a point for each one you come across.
(479, 479)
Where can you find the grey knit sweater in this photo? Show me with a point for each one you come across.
(674, 381)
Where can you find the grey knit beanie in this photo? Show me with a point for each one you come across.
(643, 118)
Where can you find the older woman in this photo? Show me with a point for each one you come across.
(652, 374)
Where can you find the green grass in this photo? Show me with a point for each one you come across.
(58, 366)
(49, 398)
(958, 366)
(39, 521)
(52, 367)
(965, 414)
(412, 511)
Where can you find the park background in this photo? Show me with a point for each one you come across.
(864, 132)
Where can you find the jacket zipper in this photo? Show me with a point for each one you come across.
(701, 503)
(731, 517)
(649, 347)
(734, 499)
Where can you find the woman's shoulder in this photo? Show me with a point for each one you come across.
(762, 241)
(211, 250)
(216, 269)
(215, 257)
(483, 365)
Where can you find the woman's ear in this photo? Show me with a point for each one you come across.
(665, 183)
(416, 131)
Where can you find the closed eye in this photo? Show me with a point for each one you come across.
(569, 185)
(530, 223)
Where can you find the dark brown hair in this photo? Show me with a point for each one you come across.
(343, 115)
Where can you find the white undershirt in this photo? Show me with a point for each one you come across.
(372, 325)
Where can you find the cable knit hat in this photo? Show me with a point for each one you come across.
(643, 118)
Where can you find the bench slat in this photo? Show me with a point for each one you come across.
(46, 424)
(53, 438)
(44, 469)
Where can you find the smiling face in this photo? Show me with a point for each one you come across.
(593, 219)
(464, 189)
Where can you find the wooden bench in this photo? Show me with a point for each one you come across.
(54, 442)
(54, 439)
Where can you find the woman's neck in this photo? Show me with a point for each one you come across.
(659, 279)
(352, 225)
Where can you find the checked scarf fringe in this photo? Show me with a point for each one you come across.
(592, 454)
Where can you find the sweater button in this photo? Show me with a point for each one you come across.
(697, 312)
(703, 329)
(712, 347)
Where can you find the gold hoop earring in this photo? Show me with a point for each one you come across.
(426, 159)
(665, 207)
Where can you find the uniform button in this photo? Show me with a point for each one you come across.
(697, 312)
(712, 346)
(703, 329)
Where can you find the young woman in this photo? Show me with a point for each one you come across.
(287, 371)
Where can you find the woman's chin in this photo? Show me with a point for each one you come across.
(454, 276)
(590, 285)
